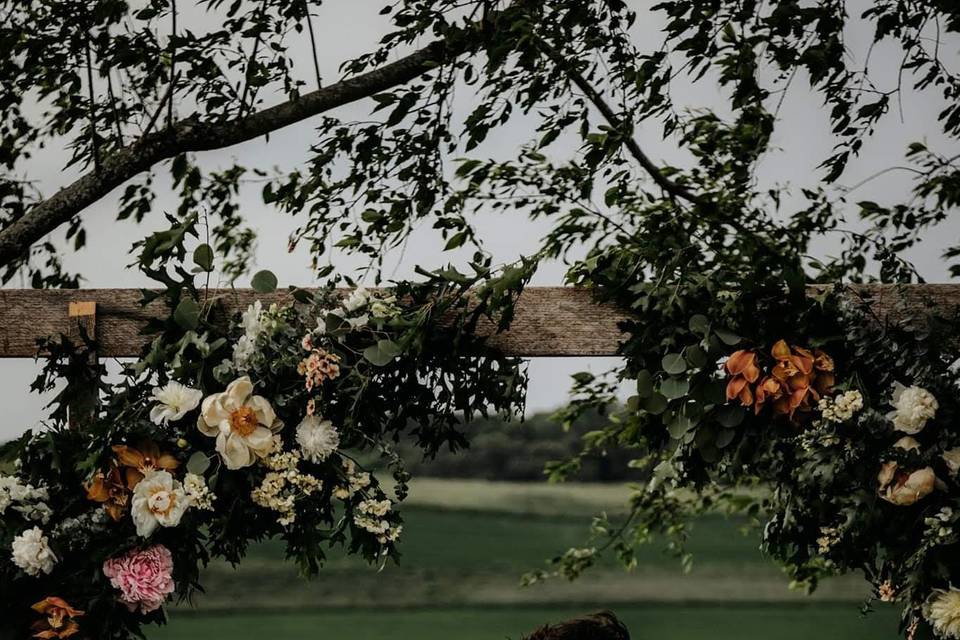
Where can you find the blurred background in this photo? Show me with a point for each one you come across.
(477, 521)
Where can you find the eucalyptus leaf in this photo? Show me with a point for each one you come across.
(644, 384)
(674, 364)
(655, 404)
(198, 463)
(680, 425)
(728, 337)
(699, 324)
(264, 282)
(203, 257)
(673, 388)
(382, 353)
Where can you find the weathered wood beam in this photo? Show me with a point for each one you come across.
(550, 321)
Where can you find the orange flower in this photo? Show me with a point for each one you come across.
(111, 491)
(802, 376)
(113, 487)
(59, 621)
(138, 462)
(742, 368)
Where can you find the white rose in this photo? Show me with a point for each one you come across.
(242, 423)
(31, 552)
(358, 299)
(913, 406)
(317, 438)
(158, 500)
(174, 401)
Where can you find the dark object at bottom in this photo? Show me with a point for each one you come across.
(603, 625)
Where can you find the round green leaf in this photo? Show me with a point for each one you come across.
(655, 404)
(382, 353)
(725, 437)
(264, 282)
(198, 463)
(696, 356)
(203, 257)
(699, 324)
(730, 415)
(674, 364)
(679, 427)
(728, 337)
(673, 388)
(644, 384)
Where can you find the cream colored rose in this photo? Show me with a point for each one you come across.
(242, 423)
(158, 501)
(904, 488)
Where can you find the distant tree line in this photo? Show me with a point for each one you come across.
(501, 450)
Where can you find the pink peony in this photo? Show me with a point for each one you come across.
(143, 576)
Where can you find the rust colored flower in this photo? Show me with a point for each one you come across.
(110, 490)
(802, 377)
(145, 458)
(59, 619)
(743, 371)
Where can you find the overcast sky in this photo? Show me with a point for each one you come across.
(347, 29)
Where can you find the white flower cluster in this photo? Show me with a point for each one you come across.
(913, 407)
(174, 400)
(198, 493)
(282, 486)
(842, 407)
(75, 533)
(256, 322)
(829, 536)
(371, 516)
(26, 499)
(361, 306)
(940, 526)
(356, 481)
(31, 552)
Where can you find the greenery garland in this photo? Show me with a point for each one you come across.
(227, 433)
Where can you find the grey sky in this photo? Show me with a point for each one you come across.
(346, 29)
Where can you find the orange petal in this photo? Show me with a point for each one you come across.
(752, 372)
(739, 360)
(128, 456)
(781, 350)
(746, 396)
(803, 363)
(133, 477)
(822, 361)
(735, 386)
(97, 489)
(167, 462)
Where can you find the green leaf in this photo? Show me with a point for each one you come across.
(673, 388)
(725, 437)
(187, 314)
(679, 427)
(699, 324)
(730, 415)
(198, 463)
(264, 282)
(728, 337)
(655, 404)
(674, 364)
(456, 240)
(696, 356)
(203, 257)
(382, 353)
(644, 384)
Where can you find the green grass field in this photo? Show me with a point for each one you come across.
(465, 545)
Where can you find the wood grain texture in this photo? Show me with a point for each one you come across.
(550, 321)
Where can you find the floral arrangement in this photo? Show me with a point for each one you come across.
(225, 433)
(831, 427)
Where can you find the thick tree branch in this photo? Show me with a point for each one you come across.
(191, 134)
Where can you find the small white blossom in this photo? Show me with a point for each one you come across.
(842, 407)
(198, 493)
(318, 438)
(358, 299)
(31, 552)
(174, 400)
(913, 407)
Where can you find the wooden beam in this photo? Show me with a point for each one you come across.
(550, 321)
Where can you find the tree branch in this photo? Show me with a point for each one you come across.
(191, 134)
